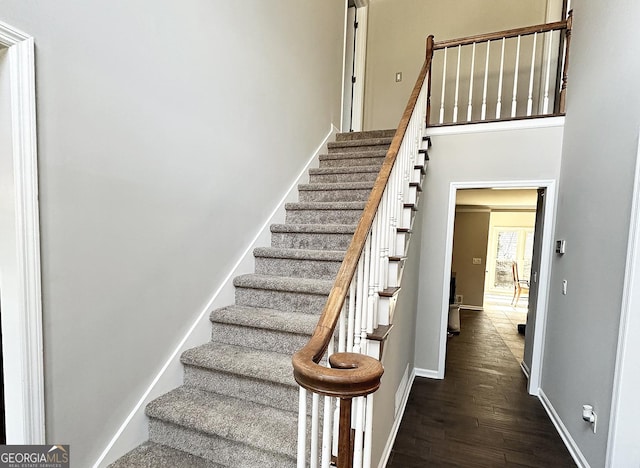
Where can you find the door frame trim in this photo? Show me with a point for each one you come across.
(535, 373)
(22, 320)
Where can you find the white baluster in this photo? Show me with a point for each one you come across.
(533, 66)
(359, 429)
(327, 425)
(351, 314)
(499, 103)
(545, 105)
(473, 62)
(368, 432)
(514, 102)
(444, 82)
(315, 423)
(455, 101)
(359, 302)
(302, 428)
(344, 318)
(483, 112)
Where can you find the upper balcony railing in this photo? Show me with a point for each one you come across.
(506, 75)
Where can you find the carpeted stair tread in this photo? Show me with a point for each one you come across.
(243, 361)
(377, 153)
(347, 136)
(360, 142)
(267, 319)
(315, 228)
(259, 426)
(324, 186)
(300, 254)
(331, 205)
(283, 283)
(152, 455)
(344, 170)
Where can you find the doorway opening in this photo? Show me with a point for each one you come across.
(498, 252)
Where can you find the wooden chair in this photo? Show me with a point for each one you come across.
(518, 284)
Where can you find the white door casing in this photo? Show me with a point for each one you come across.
(20, 275)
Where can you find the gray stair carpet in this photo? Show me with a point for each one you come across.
(239, 402)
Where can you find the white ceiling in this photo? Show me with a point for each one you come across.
(498, 199)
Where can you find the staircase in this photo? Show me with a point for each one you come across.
(238, 405)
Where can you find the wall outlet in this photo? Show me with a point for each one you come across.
(477, 261)
(458, 298)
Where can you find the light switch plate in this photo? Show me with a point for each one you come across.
(477, 261)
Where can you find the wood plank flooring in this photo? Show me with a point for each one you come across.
(480, 415)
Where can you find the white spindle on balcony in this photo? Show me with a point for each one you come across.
(514, 101)
(455, 101)
(473, 62)
(545, 105)
(531, 75)
(444, 85)
(501, 75)
(483, 112)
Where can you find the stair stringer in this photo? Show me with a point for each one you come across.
(134, 430)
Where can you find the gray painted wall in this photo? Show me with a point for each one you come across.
(524, 154)
(599, 156)
(158, 123)
(399, 348)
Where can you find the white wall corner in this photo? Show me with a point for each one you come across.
(22, 315)
(571, 445)
(398, 419)
(428, 373)
(134, 429)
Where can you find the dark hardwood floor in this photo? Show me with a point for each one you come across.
(480, 415)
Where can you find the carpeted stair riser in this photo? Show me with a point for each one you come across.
(253, 375)
(258, 338)
(301, 240)
(283, 300)
(310, 236)
(370, 144)
(326, 193)
(349, 136)
(374, 158)
(222, 429)
(324, 216)
(266, 329)
(331, 175)
(318, 269)
(151, 455)
(217, 449)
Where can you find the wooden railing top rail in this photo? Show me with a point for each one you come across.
(528, 30)
(352, 374)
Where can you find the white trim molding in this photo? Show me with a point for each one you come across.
(427, 373)
(545, 270)
(571, 445)
(22, 317)
(542, 122)
(622, 446)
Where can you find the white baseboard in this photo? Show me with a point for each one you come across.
(396, 424)
(525, 369)
(471, 307)
(428, 373)
(134, 429)
(571, 445)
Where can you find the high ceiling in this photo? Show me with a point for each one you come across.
(498, 199)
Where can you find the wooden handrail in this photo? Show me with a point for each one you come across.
(351, 374)
(506, 34)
